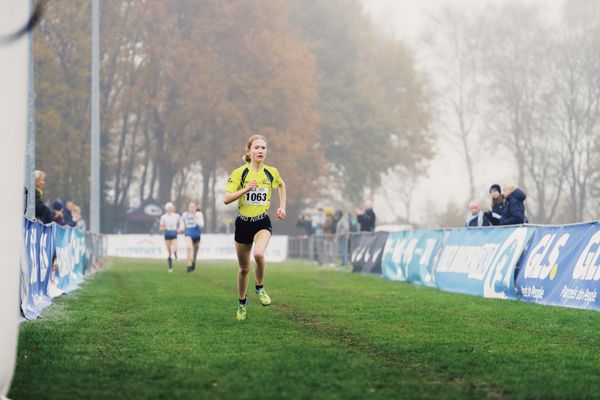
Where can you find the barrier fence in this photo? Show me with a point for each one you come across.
(554, 265)
(56, 260)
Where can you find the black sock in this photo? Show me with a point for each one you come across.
(243, 301)
(258, 287)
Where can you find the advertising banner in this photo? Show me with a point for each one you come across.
(562, 267)
(481, 261)
(38, 248)
(212, 247)
(392, 255)
(409, 256)
(94, 252)
(82, 261)
(367, 256)
(68, 258)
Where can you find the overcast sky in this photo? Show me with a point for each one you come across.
(447, 180)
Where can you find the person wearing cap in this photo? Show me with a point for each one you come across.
(498, 203)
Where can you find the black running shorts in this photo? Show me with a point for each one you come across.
(247, 227)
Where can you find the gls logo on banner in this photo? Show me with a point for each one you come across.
(535, 267)
(587, 267)
(498, 280)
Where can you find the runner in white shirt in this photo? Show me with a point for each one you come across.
(192, 222)
(169, 223)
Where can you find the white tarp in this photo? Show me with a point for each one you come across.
(212, 247)
(13, 131)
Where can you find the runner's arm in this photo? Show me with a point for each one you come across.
(233, 196)
(282, 201)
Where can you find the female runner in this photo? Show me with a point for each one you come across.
(169, 223)
(192, 222)
(252, 184)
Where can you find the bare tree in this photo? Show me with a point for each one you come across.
(517, 46)
(576, 81)
(455, 61)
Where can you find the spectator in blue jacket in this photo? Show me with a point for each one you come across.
(476, 217)
(498, 202)
(68, 214)
(514, 209)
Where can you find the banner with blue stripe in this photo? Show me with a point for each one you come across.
(68, 257)
(562, 267)
(392, 254)
(481, 261)
(409, 256)
(38, 245)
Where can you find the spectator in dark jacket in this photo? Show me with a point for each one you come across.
(57, 207)
(476, 217)
(498, 202)
(514, 209)
(42, 212)
(304, 222)
(68, 214)
(366, 219)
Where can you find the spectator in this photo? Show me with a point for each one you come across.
(42, 212)
(304, 223)
(328, 227)
(354, 226)
(68, 214)
(316, 223)
(57, 208)
(495, 213)
(514, 209)
(77, 219)
(343, 232)
(366, 219)
(476, 217)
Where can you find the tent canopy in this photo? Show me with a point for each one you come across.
(149, 210)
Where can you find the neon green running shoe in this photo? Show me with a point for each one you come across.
(241, 312)
(263, 297)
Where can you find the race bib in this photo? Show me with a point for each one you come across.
(257, 197)
(190, 223)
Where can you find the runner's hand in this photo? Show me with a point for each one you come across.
(281, 214)
(252, 185)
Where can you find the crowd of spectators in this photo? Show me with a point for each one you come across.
(330, 231)
(62, 213)
(507, 208)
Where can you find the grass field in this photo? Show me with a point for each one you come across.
(136, 332)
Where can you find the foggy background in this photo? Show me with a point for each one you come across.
(419, 106)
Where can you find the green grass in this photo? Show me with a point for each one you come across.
(136, 332)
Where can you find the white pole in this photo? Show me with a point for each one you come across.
(95, 139)
(13, 131)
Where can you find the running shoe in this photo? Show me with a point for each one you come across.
(241, 312)
(263, 297)
(189, 268)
